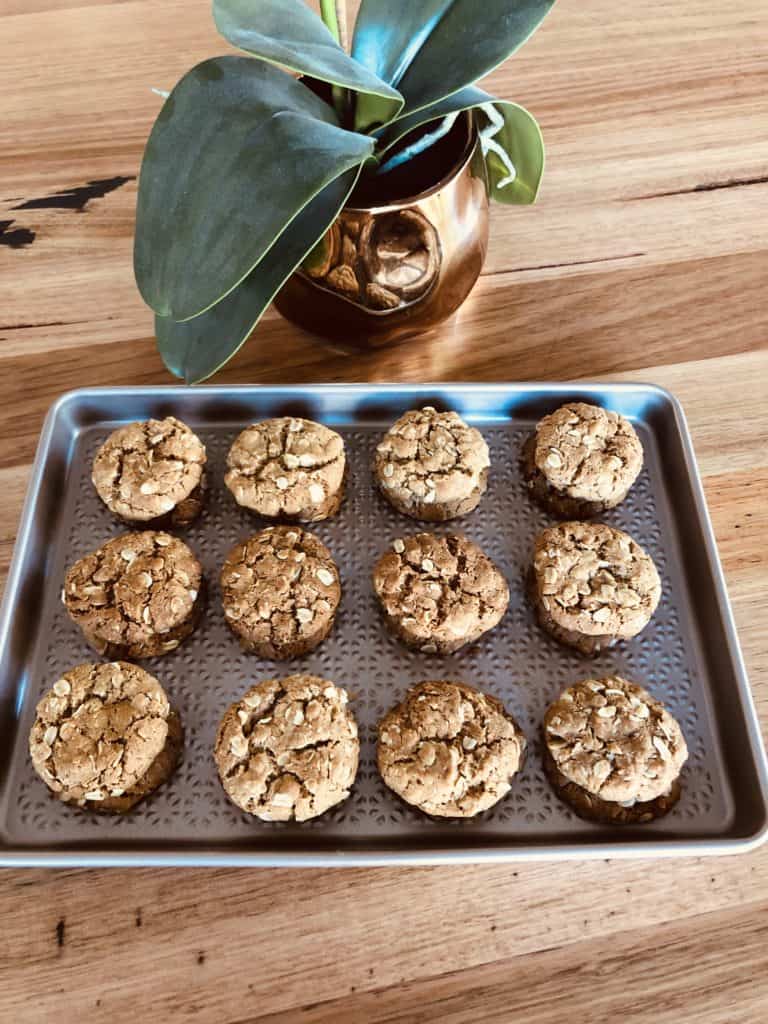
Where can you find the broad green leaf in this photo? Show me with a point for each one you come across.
(238, 150)
(288, 33)
(431, 49)
(388, 35)
(509, 134)
(197, 348)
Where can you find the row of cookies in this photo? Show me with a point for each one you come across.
(610, 750)
(430, 465)
(142, 593)
(590, 585)
(105, 736)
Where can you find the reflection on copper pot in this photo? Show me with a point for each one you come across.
(390, 271)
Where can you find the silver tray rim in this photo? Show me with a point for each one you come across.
(202, 856)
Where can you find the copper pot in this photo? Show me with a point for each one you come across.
(391, 270)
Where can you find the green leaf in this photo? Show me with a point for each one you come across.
(388, 35)
(431, 49)
(287, 32)
(238, 150)
(197, 348)
(509, 134)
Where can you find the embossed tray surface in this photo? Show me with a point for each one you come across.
(688, 656)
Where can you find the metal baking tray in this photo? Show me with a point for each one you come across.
(688, 656)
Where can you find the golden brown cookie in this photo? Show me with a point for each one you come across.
(288, 468)
(288, 749)
(431, 465)
(105, 736)
(152, 472)
(592, 585)
(581, 460)
(449, 749)
(161, 769)
(137, 596)
(613, 752)
(439, 593)
(280, 590)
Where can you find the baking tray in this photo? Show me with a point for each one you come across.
(688, 656)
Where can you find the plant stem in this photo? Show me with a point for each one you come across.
(341, 21)
(334, 14)
(329, 14)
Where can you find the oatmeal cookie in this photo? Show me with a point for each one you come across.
(137, 596)
(152, 472)
(280, 591)
(439, 593)
(613, 752)
(288, 468)
(581, 460)
(449, 749)
(430, 465)
(288, 749)
(592, 585)
(105, 736)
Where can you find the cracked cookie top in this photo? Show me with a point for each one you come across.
(449, 749)
(587, 452)
(594, 579)
(612, 738)
(280, 586)
(98, 730)
(143, 470)
(439, 592)
(287, 467)
(288, 749)
(134, 589)
(431, 458)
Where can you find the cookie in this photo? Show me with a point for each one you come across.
(613, 752)
(449, 749)
(105, 736)
(288, 468)
(581, 460)
(439, 593)
(430, 465)
(152, 473)
(288, 749)
(137, 596)
(280, 590)
(592, 585)
(161, 769)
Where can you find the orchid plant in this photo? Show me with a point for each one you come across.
(248, 165)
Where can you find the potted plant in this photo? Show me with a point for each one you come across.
(363, 183)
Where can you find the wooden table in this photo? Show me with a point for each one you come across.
(645, 259)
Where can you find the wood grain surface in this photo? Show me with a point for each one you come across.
(645, 259)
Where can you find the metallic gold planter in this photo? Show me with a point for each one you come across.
(389, 271)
